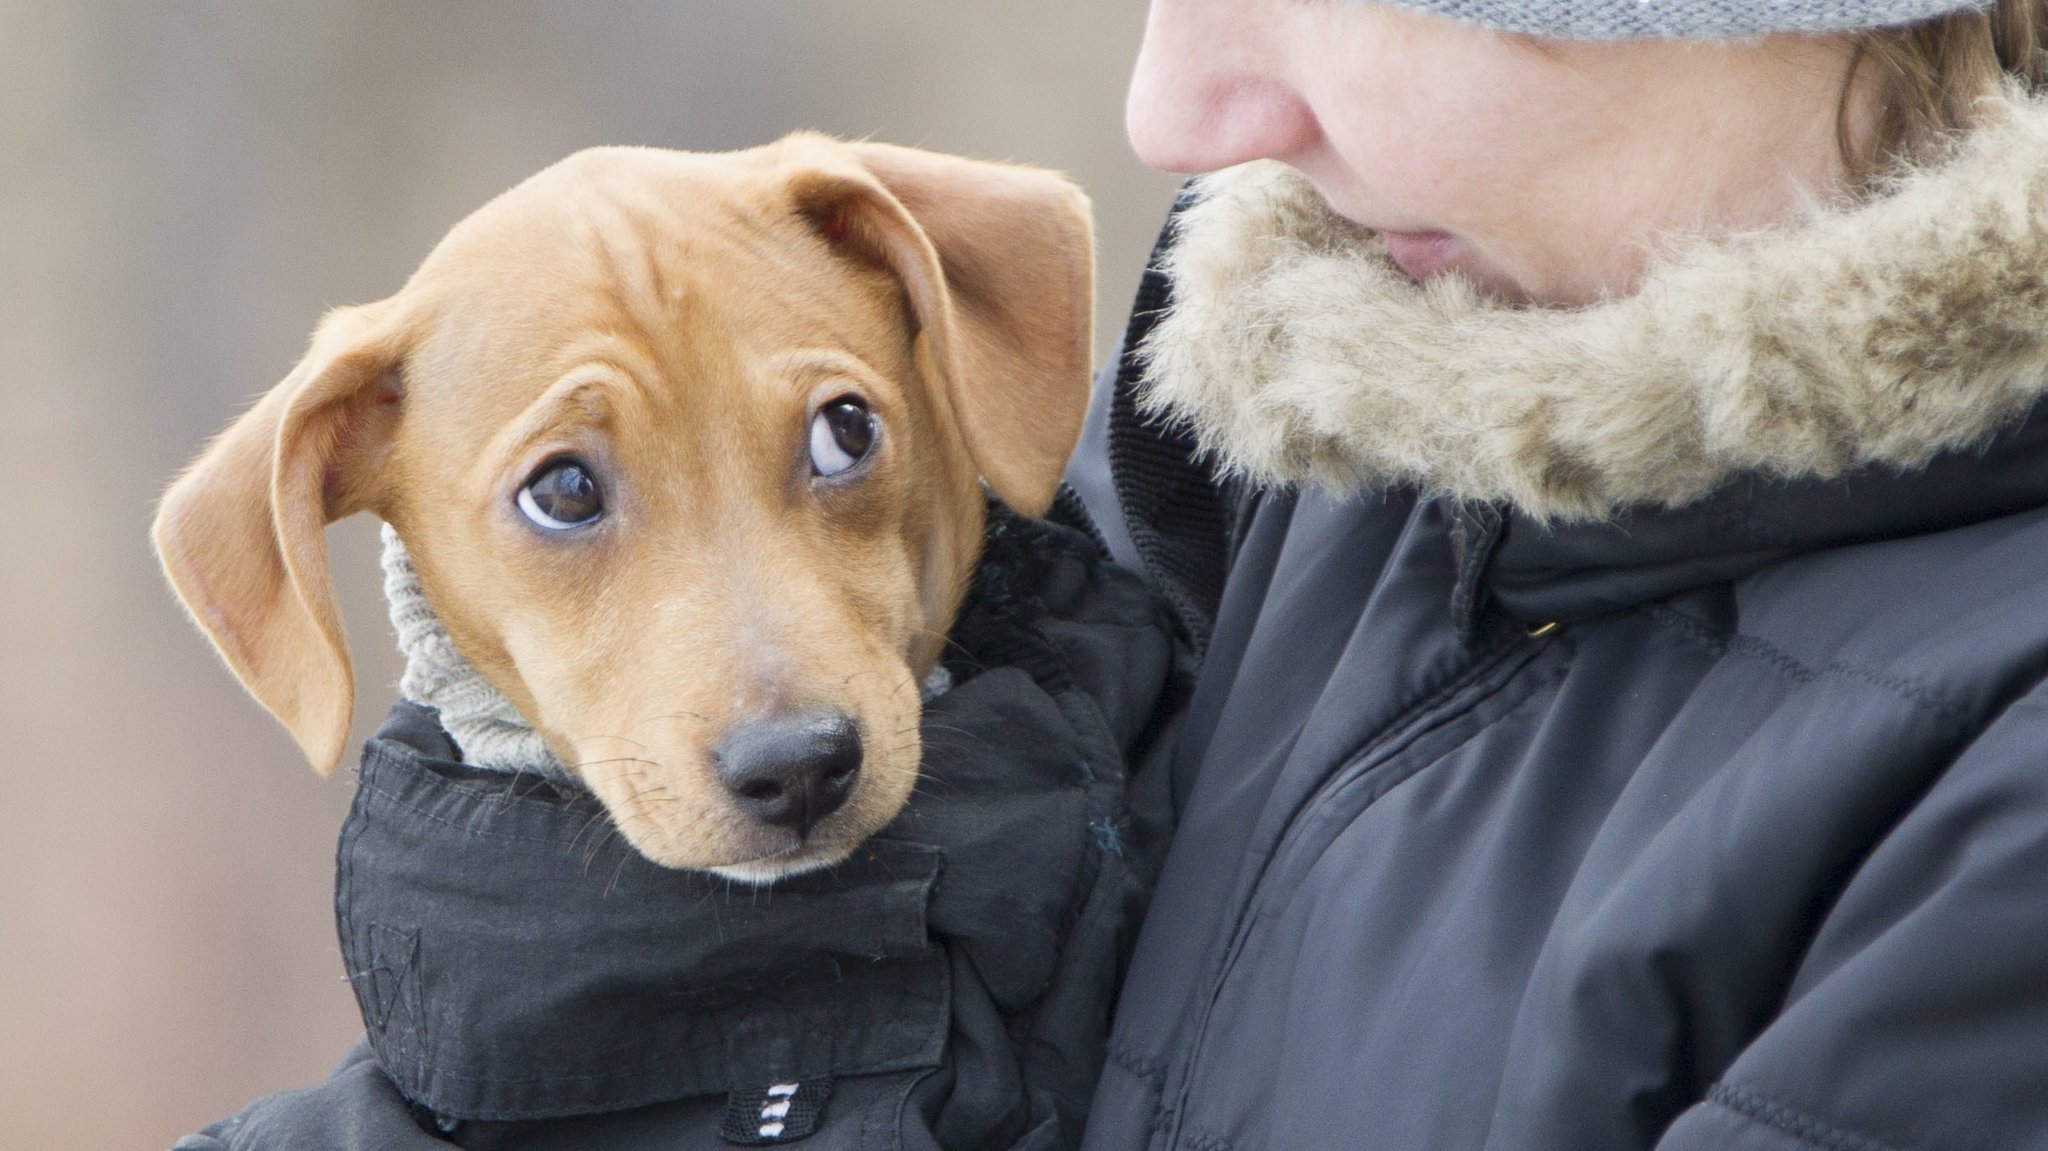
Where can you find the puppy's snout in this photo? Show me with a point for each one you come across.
(791, 772)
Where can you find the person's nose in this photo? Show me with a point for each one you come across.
(1210, 88)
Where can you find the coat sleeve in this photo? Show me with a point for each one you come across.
(356, 1109)
(1919, 1015)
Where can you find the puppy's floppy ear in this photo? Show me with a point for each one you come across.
(241, 533)
(998, 262)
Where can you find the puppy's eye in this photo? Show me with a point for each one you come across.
(561, 495)
(841, 434)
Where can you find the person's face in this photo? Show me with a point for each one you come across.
(1544, 170)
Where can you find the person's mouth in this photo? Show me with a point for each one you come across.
(1423, 255)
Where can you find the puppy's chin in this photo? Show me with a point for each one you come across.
(761, 872)
(761, 856)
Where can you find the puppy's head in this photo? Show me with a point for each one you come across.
(688, 452)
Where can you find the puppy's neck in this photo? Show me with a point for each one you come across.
(482, 722)
(490, 732)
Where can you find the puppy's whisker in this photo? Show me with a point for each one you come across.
(854, 675)
(699, 716)
(581, 764)
(625, 857)
(907, 681)
(512, 790)
(597, 818)
(622, 739)
(637, 796)
(947, 642)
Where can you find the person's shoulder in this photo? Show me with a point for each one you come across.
(1959, 616)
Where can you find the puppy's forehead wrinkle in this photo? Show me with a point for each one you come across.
(824, 361)
(588, 396)
(655, 255)
(649, 241)
(631, 250)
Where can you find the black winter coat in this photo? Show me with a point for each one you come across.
(528, 981)
(1723, 827)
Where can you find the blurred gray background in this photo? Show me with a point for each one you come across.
(184, 187)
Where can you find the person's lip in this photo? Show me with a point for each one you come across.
(1423, 254)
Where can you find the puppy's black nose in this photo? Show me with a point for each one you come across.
(790, 772)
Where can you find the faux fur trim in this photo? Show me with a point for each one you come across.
(1884, 332)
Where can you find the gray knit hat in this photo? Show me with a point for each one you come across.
(1628, 19)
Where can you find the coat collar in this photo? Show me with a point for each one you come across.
(1866, 338)
(1544, 572)
(514, 959)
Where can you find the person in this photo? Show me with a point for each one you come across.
(1598, 451)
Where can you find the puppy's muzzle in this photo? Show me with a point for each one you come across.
(790, 772)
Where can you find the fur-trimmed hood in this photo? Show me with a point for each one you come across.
(1881, 333)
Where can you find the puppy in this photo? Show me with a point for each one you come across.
(688, 455)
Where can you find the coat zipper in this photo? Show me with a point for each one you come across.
(1445, 705)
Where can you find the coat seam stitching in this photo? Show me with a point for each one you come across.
(1912, 691)
(657, 1063)
(1409, 713)
(1755, 1107)
(1204, 1141)
(1121, 1054)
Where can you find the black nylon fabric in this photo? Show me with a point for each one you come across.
(1584, 570)
(514, 960)
(1750, 852)
(527, 980)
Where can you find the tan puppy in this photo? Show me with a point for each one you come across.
(686, 450)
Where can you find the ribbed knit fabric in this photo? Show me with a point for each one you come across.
(1174, 504)
(483, 723)
(1633, 19)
